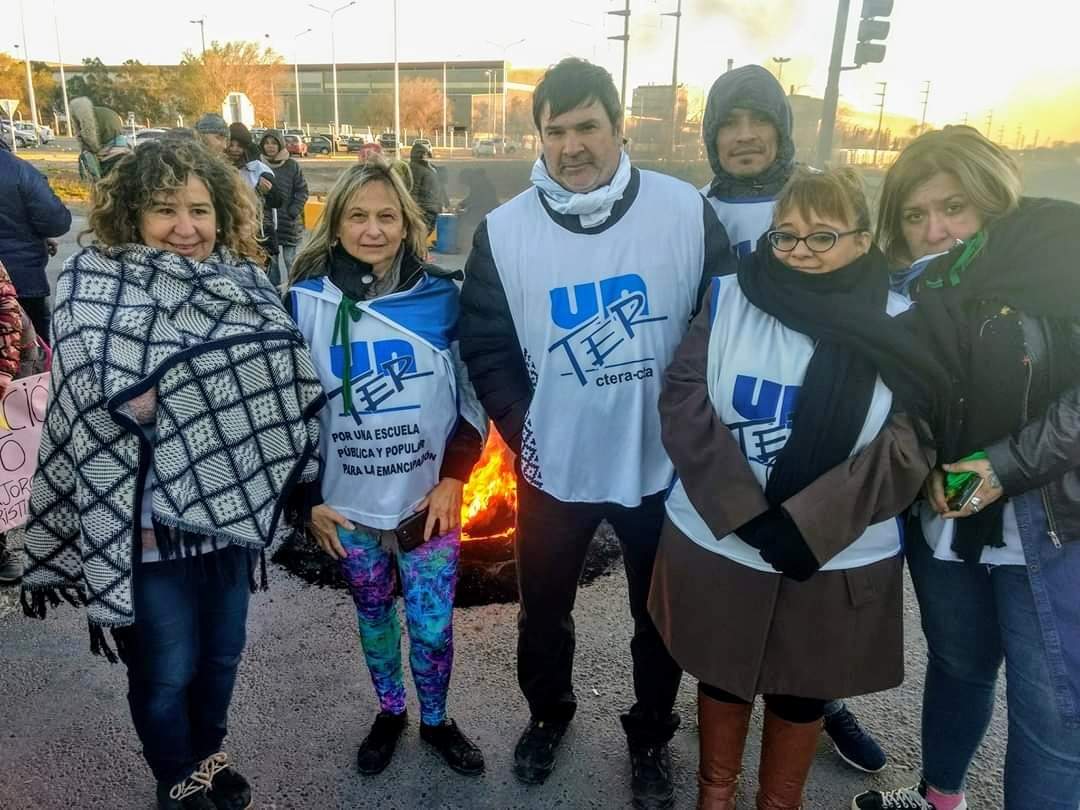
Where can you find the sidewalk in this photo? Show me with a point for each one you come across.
(303, 703)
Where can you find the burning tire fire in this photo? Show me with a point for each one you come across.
(487, 572)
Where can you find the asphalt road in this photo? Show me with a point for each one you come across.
(303, 702)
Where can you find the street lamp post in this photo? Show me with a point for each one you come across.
(296, 76)
(201, 22)
(505, 48)
(29, 74)
(490, 100)
(397, 90)
(333, 62)
(781, 61)
(677, 14)
(63, 79)
(624, 37)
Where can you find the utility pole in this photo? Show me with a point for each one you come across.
(925, 101)
(965, 119)
(832, 87)
(989, 123)
(296, 76)
(1035, 141)
(29, 75)
(625, 37)
(201, 22)
(397, 91)
(781, 61)
(1020, 137)
(677, 14)
(881, 116)
(1001, 135)
(333, 61)
(63, 79)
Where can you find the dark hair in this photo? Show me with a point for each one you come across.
(574, 83)
(163, 167)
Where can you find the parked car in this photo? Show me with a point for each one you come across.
(388, 141)
(319, 145)
(144, 135)
(296, 146)
(44, 134)
(484, 148)
(356, 143)
(299, 132)
(20, 138)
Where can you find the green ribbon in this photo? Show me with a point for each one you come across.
(347, 313)
(971, 249)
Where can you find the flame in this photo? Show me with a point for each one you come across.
(490, 503)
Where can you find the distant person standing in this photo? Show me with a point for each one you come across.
(287, 220)
(747, 130)
(214, 132)
(244, 155)
(31, 215)
(101, 137)
(426, 187)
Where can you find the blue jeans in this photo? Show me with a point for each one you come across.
(182, 654)
(974, 616)
(281, 264)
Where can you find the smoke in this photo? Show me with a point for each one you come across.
(761, 21)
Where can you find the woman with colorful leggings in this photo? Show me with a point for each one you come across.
(401, 432)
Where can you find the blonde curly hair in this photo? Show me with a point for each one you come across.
(163, 167)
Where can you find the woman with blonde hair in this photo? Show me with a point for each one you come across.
(181, 415)
(779, 569)
(994, 544)
(401, 432)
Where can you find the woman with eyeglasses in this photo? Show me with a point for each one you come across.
(779, 569)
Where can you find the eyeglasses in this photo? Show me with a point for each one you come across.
(818, 242)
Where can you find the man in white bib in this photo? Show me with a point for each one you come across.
(576, 294)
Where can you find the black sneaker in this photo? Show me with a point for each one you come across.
(909, 798)
(227, 788)
(187, 795)
(534, 754)
(857, 748)
(379, 745)
(11, 568)
(459, 751)
(650, 766)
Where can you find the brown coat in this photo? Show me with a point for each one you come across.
(751, 632)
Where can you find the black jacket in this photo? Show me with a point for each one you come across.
(29, 213)
(1045, 453)
(426, 188)
(489, 342)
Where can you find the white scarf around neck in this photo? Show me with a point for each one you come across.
(593, 207)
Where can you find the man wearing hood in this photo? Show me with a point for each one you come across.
(577, 293)
(101, 137)
(747, 129)
(288, 219)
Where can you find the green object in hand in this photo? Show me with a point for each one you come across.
(956, 482)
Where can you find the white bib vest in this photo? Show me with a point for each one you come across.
(599, 317)
(756, 369)
(384, 457)
(744, 220)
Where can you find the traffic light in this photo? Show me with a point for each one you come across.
(872, 28)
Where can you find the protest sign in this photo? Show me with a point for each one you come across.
(22, 412)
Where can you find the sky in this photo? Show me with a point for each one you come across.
(1018, 62)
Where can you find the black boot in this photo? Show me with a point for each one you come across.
(650, 781)
(459, 751)
(11, 567)
(378, 747)
(534, 755)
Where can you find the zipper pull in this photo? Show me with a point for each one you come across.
(1054, 538)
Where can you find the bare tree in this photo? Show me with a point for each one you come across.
(231, 67)
(421, 104)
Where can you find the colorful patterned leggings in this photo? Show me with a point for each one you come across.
(428, 577)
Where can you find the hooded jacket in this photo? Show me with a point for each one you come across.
(29, 213)
(290, 184)
(101, 135)
(751, 87)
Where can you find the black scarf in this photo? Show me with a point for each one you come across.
(969, 305)
(844, 311)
